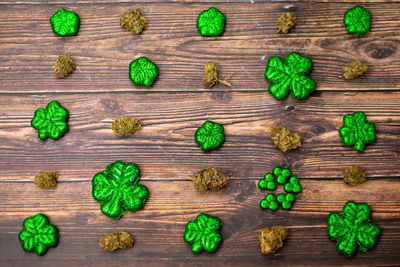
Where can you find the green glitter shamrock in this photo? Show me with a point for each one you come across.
(65, 23)
(268, 182)
(289, 75)
(353, 228)
(285, 200)
(210, 136)
(357, 20)
(293, 185)
(38, 235)
(269, 202)
(203, 233)
(211, 22)
(117, 189)
(51, 122)
(281, 174)
(357, 131)
(143, 72)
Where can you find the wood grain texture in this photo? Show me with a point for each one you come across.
(29, 48)
(100, 91)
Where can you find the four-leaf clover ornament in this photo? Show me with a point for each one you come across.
(51, 122)
(357, 131)
(289, 75)
(352, 229)
(38, 235)
(143, 72)
(210, 136)
(117, 189)
(211, 22)
(357, 20)
(65, 23)
(203, 233)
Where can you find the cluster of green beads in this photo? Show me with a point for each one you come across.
(291, 186)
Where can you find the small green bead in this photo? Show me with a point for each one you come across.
(285, 173)
(65, 23)
(264, 204)
(270, 197)
(210, 136)
(143, 72)
(273, 206)
(271, 186)
(286, 205)
(281, 198)
(277, 171)
(281, 179)
(211, 22)
(357, 20)
(290, 197)
(262, 184)
(269, 177)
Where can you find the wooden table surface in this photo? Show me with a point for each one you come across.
(178, 103)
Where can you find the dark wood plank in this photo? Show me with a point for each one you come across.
(159, 227)
(102, 50)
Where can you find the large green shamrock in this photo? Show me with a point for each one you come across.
(38, 235)
(51, 122)
(211, 22)
(289, 75)
(210, 136)
(65, 23)
(143, 72)
(353, 228)
(357, 131)
(117, 189)
(357, 20)
(203, 233)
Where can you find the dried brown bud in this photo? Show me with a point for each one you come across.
(286, 22)
(64, 66)
(210, 179)
(126, 126)
(46, 180)
(116, 240)
(354, 175)
(284, 139)
(133, 21)
(211, 75)
(354, 69)
(271, 240)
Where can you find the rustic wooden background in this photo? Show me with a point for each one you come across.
(100, 91)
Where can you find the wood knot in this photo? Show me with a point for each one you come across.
(110, 106)
(380, 51)
(221, 96)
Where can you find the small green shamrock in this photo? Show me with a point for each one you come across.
(211, 22)
(143, 72)
(38, 235)
(65, 23)
(203, 233)
(269, 202)
(293, 185)
(285, 200)
(357, 20)
(281, 174)
(289, 75)
(117, 189)
(210, 136)
(357, 131)
(51, 122)
(268, 182)
(352, 229)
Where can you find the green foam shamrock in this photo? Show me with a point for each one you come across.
(51, 122)
(38, 235)
(357, 20)
(143, 72)
(268, 182)
(357, 131)
(293, 185)
(285, 200)
(289, 75)
(211, 22)
(210, 136)
(117, 188)
(352, 229)
(65, 23)
(203, 233)
(269, 202)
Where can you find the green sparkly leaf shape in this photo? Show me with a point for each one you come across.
(117, 189)
(289, 75)
(51, 122)
(293, 185)
(38, 235)
(143, 72)
(211, 22)
(65, 23)
(269, 202)
(203, 233)
(268, 182)
(286, 200)
(357, 20)
(357, 131)
(210, 136)
(352, 229)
